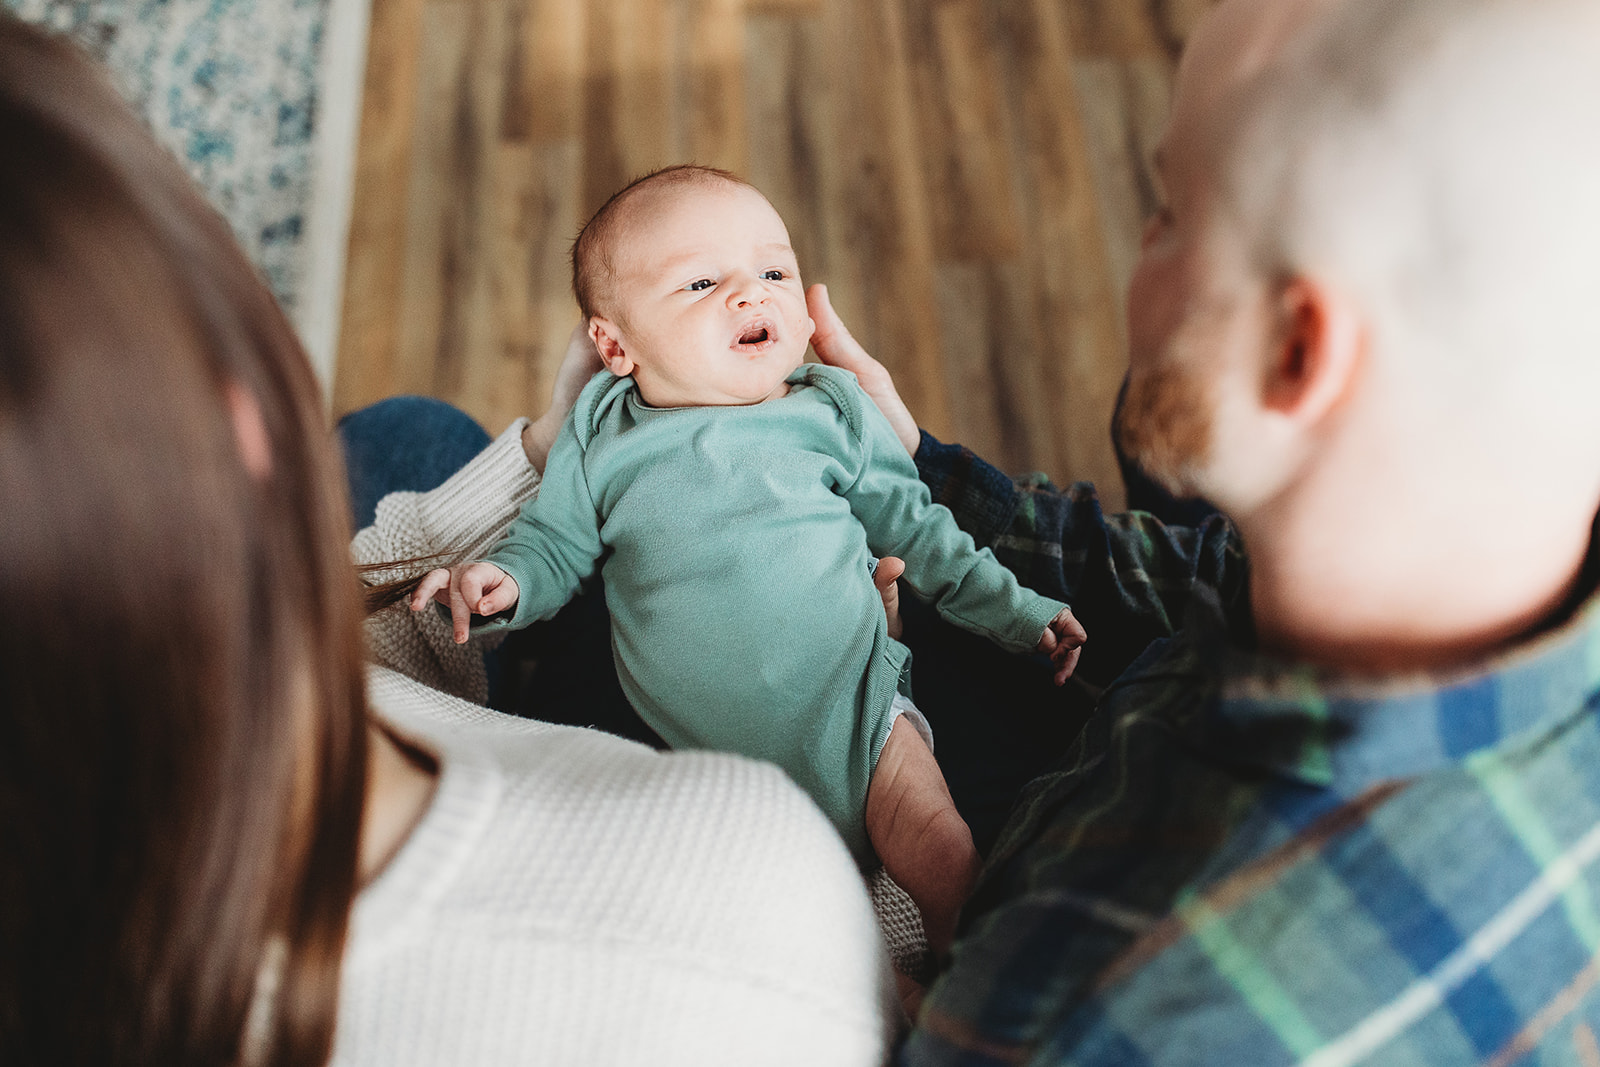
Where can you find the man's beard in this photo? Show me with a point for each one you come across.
(1164, 425)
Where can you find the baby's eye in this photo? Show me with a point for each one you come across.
(773, 275)
(700, 286)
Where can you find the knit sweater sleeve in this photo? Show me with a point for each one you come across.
(966, 584)
(419, 531)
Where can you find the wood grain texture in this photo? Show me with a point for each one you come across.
(369, 327)
(968, 176)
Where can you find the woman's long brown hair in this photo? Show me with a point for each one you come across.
(182, 731)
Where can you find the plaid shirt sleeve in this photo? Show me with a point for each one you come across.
(1129, 578)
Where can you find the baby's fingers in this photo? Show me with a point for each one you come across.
(432, 585)
(889, 569)
(498, 597)
(1068, 629)
(1063, 640)
(460, 610)
(483, 588)
(1065, 658)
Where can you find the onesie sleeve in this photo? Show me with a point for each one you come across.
(966, 584)
(553, 545)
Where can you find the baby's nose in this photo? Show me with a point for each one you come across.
(746, 292)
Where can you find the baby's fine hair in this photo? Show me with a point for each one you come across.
(591, 252)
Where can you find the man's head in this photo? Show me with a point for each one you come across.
(690, 285)
(1379, 250)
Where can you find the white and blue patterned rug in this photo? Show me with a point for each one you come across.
(239, 90)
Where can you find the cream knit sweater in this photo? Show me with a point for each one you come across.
(573, 898)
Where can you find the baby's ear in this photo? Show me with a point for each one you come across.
(608, 341)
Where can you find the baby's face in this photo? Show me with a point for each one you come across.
(706, 303)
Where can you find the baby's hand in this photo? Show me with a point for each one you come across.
(1063, 639)
(470, 587)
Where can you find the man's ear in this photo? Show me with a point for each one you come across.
(1321, 338)
(608, 341)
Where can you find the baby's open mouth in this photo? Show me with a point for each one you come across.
(755, 334)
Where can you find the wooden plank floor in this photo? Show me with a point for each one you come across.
(968, 176)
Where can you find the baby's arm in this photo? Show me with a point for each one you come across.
(468, 588)
(550, 549)
(553, 546)
(967, 585)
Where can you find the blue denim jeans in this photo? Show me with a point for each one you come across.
(404, 444)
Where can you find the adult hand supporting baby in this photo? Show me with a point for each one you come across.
(835, 347)
(467, 588)
(580, 363)
(1063, 641)
(890, 568)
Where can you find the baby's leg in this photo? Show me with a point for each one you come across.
(923, 842)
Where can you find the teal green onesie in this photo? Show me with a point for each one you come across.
(734, 542)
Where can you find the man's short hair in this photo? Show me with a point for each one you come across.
(593, 263)
(1436, 158)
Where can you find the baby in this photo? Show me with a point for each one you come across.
(734, 496)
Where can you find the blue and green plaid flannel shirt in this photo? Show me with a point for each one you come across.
(1248, 862)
